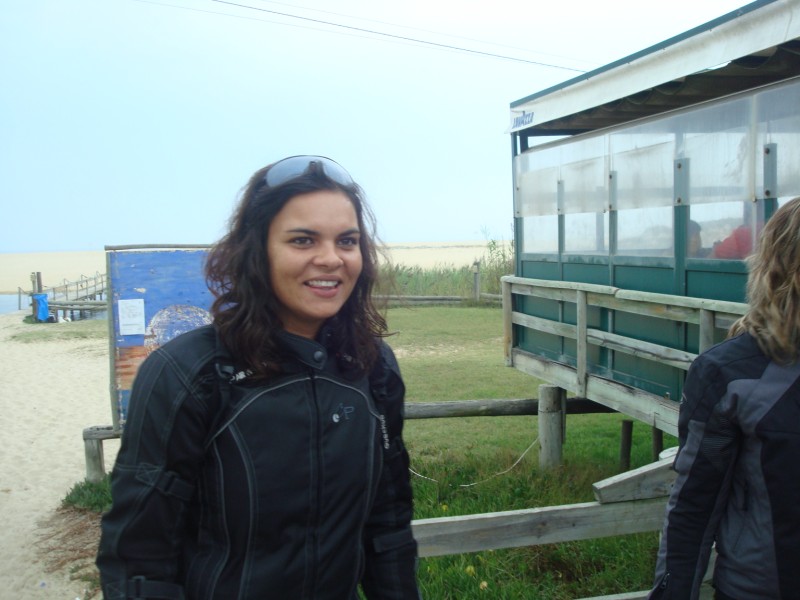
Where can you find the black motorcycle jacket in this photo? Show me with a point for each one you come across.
(738, 482)
(295, 488)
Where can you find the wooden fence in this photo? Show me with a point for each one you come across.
(629, 503)
(490, 531)
(652, 409)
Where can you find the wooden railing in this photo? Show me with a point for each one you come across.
(83, 289)
(639, 404)
(490, 531)
(85, 294)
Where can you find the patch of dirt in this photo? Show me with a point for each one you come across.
(68, 542)
(432, 350)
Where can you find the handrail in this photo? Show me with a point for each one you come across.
(85, 287)
(707, 313)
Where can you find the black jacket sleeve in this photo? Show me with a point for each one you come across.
(152, 483)
(391, 551)
(708, 446)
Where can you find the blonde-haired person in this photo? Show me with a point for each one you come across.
(738, 483)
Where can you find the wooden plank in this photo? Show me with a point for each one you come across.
(671, 356)
(101, 432)
(649, 408)
(508, 330)
(648, 309)
(656, 352)
(582, 342)
(530, 527)
(470, 408)
(547, 293)
(553, 372)
(666, 304)
(495, 408)
(625, 596)
(565, 285)
(545, 325)
(686, 301)
(706, 330)
(650, 481)
(79, 305)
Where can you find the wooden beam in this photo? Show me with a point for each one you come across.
(530, 527)
(508, 330)
(650, 481)
(495, 408)
(582, 343)
(649, 408)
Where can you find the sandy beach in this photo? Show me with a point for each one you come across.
(49, 392)
(58, 267)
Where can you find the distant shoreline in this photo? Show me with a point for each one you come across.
(57, 267)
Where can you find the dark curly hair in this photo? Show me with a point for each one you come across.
(245, 309)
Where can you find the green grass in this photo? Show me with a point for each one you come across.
(455, 353)
(84, 329)
(89, 496)
(450, 353)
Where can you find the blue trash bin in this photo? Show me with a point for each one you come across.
(41, 310)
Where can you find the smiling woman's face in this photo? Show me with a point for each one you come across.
(314, 258)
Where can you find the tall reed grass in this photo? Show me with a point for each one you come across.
(446, 279)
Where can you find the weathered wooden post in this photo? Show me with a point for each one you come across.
(95, 458)
(93, 438)
(508, 328)
(625, 443)
(476, 281)
(551, 418)
(658, 442)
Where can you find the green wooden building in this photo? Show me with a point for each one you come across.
(651, 176)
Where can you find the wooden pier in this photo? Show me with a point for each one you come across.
(85, 294)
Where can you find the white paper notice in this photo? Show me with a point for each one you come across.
(131, 317)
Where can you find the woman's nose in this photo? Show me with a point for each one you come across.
(328, 256)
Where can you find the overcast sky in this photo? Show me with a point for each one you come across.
(138, 121)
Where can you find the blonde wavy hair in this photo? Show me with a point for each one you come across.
(773, 287)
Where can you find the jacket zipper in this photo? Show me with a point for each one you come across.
(317, 433)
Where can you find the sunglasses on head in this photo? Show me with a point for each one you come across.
(290, 168)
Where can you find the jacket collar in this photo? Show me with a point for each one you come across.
(309, 352)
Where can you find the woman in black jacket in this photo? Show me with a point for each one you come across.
(262, 456)
(738, 483)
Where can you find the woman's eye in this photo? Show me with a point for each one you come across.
(301, 241)
(348, 241)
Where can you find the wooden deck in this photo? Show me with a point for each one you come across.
(85, 294)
